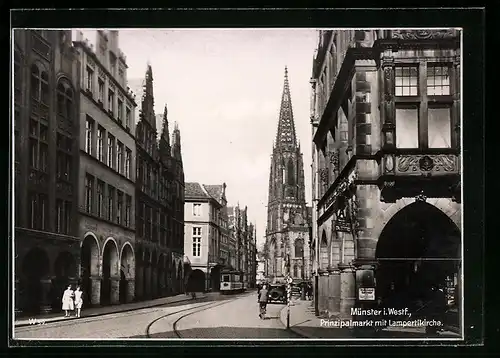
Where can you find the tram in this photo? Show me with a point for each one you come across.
(231, 281)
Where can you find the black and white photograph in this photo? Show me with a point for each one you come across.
(237, 184)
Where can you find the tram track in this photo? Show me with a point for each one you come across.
(193, 310)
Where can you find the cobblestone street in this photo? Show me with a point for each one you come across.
(234, 319)
(132, 324)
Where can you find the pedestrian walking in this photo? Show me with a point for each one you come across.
(67, 301)
(262, 301)
(78, 301)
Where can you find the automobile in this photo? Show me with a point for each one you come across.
(277, 293)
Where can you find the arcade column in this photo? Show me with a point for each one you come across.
(115, 290)
(347, 290)
(95, 282)
(130, 290)
(45, 299)
(334, 294)
(139, 274)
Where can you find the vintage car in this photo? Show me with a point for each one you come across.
(277, 293)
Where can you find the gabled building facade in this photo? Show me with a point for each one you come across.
(107, 172)
(385, 114)
(45, 126)
(159, 203)
(287, 217)
(205, 211)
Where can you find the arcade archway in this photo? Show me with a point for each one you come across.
(36, 266)
(65, 271)
(196, 281)
(417, 252)
(127, 267)
(109, 270)
(89, 266)
(215, 278)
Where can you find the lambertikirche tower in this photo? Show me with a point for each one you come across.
(288, 217)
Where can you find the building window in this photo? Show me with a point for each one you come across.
(128, 157)
(89, 134)
(438, 80)
(119, 207)
(112, 63)
(100, 198)
(127, 117)
(196, 241)
(119, 157)
(65, 100)
(406, 81)
(415, 126)
(39, 84)
(100, 143)
(111, 197)
(63, 216)
(90, 79)
(100, 84)
(120, 111)
(196, 209)
(111, 148)
(89, 189)
(407, 126)
(38, 145)
(439, 127)
(128, 207)
(63, 165)
(111, 102)
(17, 76)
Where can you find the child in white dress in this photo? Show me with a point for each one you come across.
(78, 301)
(67, 301)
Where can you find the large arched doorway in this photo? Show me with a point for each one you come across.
(215, 278)
(65, 274)
(127, 268)
(109, 270)
(418, 251)
(89, 259)
(196, 281)
(36, 266)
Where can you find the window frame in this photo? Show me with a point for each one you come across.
(423, 102)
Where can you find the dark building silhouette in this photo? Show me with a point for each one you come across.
(46, 124)
(159, 203)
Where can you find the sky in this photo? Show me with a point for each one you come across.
(223, 88)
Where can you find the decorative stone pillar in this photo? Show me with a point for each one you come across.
(95, 282)
(139, 282)
(45, 299)
(114, 294)
(130, 290)
(334, 296)
(323, 291)
(347, 291)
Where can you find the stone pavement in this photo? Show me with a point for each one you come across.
(304, 322)
(99, 311)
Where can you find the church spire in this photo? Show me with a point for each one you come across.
(165, 132)
(285, 136)
(176, 143)
(147, 105)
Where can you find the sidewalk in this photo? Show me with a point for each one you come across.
(99, 311)
(304, 323)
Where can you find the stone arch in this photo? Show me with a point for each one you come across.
(90, 265)
(127, 260)
(323, 251)
(110, 269)
(196, 281)
(446, 205)
(418, 250)
(35, 267)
